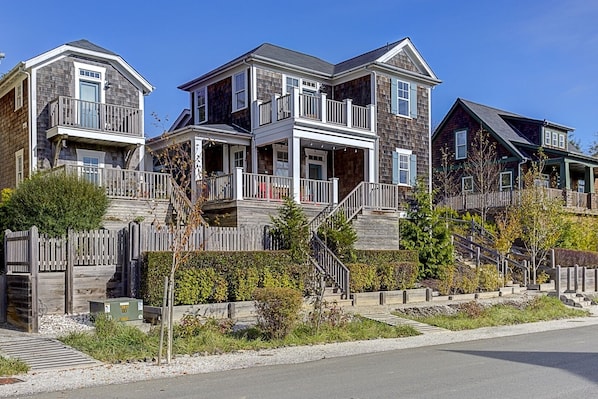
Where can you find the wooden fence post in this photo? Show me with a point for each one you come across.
(4, 283)
(70, 261)
(33, 273)
(557, 280)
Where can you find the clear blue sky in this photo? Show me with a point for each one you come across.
(536, 58)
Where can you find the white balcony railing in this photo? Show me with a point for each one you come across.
(259, 187)
(70, 112)
(317, 108)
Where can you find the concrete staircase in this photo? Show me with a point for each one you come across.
(123, 211)
(377, 230)
(576, 300)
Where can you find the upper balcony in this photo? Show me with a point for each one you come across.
(92, 121)
(316, 109)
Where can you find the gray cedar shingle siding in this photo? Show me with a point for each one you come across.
(402, 61)
(58, 79)
(13, 135)
(401, 132)
(268, 83)
(359, 90)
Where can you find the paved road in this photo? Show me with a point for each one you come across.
(554, 364)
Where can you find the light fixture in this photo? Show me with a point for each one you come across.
(107, 85)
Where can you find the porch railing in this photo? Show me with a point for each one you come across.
(262, 187)
(123, 183)
(501, 199)
(117, 119)
(330, 264)
(318, 108)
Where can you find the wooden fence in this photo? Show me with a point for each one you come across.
(45, 275)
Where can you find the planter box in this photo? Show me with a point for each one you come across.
(366, 298)
(232, 310)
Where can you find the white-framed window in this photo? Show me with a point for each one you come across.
(547, 137)
(467, 184)
(19, 95)
(281, 160)
(315, 164)
(404, 167)
(506, 181)
(238, 157)
(461, 144)
(19, 167)
(561, 140)
(581, 186)
(542, 181)
(305, 86)
(201, 105)
(91, 164)
(555, 139)
(403, 98)
(239, 91)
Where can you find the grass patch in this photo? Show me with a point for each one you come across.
(117, 342)
(9, 367)
(471, 315)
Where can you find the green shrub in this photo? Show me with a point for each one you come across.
(489, 278)
(55, 203)
(340, 236)
(277, 310)
(397, 275)
(232, 276)
(363, 277)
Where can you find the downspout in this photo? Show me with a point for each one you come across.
(523, 161)
(373, 95)
(430, 139)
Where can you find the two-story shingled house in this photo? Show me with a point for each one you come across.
(567, 173)
(78, 107)
(274, 122)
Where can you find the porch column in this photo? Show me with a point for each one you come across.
(225, 159)
(589, 178)
(323, 107)
(295, 162)
(197, 154)
(334, 190)
(349, 111)
(565, 177)
(369, 165)
(295, 103)
(253, 157)
(238, 183)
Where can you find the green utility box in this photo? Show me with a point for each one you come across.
(121, 309)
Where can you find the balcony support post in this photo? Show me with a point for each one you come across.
(334, 190)
(238, 183)
(324, 107)
(274, 107)
(295, 161)
(372, 117)
(349, 107)
(295, 103)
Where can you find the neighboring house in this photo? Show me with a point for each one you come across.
(77, 107)
(274, 122)
(518, 139)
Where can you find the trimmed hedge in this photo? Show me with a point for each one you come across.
(383, 270)
(572, 257)
(208, 276)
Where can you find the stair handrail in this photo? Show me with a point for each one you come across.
(331, 264)
(467, 244)
(354, 198)
(181, 204)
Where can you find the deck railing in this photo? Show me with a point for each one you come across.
(317, 108)
(123, 183)
(117, 119)
(501, 199)
(266, 187)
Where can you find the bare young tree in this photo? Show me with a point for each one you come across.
(445, 177)
(484, 168)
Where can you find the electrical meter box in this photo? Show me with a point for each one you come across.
(120, 309)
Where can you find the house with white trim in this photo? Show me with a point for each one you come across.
(274, 122)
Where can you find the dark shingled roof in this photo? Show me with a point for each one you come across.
(365, 58)
(493, 118)
(295, 58)
(87, 45)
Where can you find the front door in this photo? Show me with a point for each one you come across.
(315, 171)
(89, 105)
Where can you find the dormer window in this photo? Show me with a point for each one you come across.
(562, 141)
(555, 139)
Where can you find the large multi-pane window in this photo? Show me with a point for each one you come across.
(403, 97)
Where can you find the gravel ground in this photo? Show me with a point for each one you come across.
(46, 381)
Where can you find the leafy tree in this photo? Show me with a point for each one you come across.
(425, 230)
(291, 229)
(340, 236)
(540, 216)
(54, 203)
(484, 168)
